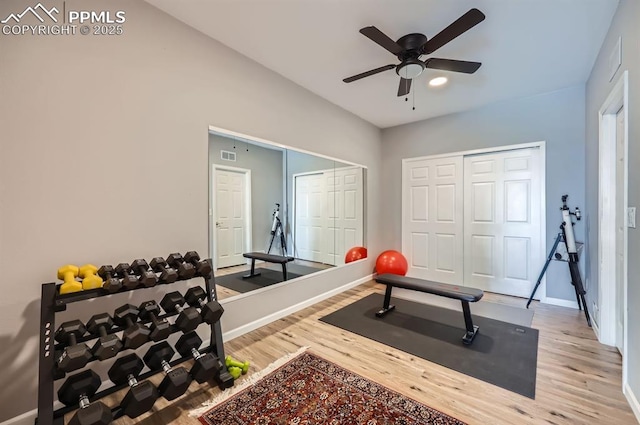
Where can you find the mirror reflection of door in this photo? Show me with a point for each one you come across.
(346, 212)
(232, 191)
(328, 214)
(311, 217)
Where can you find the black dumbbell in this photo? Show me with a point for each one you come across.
(77, 389)
(75, 356)
(160, 328)
(108, 345)
(176, 380)
(111, 282)
(203, 268)
(188, 319)
(134, 334)
(146, 277)
(123, 271)
(142, 395)
(185, 270)
(167, 274)
(206, 366)
(210, 311)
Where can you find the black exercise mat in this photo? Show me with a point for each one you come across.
(502, 354)
(267, 277)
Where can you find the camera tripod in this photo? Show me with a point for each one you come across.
(277, 232)
(566, 235)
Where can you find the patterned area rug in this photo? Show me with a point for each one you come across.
(311, 390)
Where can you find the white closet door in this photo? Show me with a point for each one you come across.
(502, 193)
(345, 212)
(432, 232)
(310, 218)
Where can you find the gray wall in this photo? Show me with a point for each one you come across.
(104, 158)
(557, 118)
(266, 167)
(625, 25)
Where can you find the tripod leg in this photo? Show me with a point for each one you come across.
(544, 269)
(283, 243)
(577, 297)
(586, 311)
(580, 292)
(273, 235)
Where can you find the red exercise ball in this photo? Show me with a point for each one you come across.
(355, 253)
(392, 262)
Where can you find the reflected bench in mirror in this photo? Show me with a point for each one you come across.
(268, 258)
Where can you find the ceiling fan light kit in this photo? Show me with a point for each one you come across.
(409, 48)
(410, 68)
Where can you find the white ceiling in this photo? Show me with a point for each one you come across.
(526, 47)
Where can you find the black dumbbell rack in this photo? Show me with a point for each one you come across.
(52, 302)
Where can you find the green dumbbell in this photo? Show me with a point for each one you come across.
(235, 372)
(231, 362)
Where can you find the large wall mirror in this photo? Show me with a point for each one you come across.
(273, 199)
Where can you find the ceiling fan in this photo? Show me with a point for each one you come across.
(410, 47)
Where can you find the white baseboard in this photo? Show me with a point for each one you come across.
(633, 401)
(596, 328)
(234, 333)
(560, 302)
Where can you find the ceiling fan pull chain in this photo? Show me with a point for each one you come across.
(406, 85)
(413, 94)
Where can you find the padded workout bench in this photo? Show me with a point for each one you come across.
(269, 258)
(465, 295)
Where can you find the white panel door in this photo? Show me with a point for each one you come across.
(432, 232)
(621, 229)
(345, 212)
(310, 218)
(230, 217)
(502, 193)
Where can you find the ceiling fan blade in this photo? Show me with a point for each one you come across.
(382, 39)
(368, 73)
(405, 87)
(452, 65)
(464, 23)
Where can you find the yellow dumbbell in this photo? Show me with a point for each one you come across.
(69, 273)
(89, 279)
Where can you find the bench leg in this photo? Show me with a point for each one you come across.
(284, 271)
(253, 270)
(472, 329)
(387, 299)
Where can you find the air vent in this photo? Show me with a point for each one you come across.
(228, 156)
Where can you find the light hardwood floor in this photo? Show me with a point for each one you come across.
(578, 379)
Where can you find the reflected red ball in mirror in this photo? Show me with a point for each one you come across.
(356, 253)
